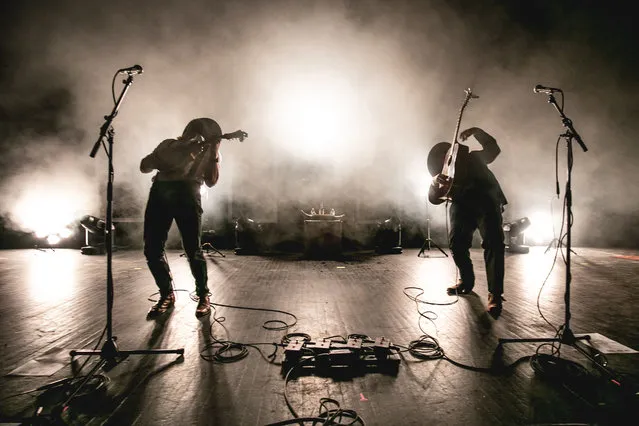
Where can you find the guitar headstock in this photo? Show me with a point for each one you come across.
(469, 95)
(467, 98)
(238, 134)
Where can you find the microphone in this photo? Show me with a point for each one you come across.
(135, 69)
(543, 89)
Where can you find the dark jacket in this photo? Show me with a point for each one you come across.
(475, 180)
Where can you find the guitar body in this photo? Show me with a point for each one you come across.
(447, 182)
(438, 192)
(447, 185)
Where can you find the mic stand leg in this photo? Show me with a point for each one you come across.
(209, 247)
(556, 243)
(428, 242)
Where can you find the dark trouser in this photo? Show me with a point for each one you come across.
(465, 218)
(179, 200)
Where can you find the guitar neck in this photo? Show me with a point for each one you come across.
(238, 134)
(459, 120)
(449, 163)
(451, 155)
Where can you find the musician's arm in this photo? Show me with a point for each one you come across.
(153, 160)
(147, 165)
(433, 192)
(431, 195)
(490, 149)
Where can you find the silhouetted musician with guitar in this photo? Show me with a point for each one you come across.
(462, 177)
(183, 165)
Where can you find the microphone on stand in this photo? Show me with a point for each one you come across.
(547, 90)
(135, 69)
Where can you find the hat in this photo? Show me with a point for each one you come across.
(207, 127)
(436, 158)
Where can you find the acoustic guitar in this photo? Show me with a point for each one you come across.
(443, 187)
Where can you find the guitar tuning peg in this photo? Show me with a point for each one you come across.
(470, 93)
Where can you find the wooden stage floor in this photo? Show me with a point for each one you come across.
(55, 301)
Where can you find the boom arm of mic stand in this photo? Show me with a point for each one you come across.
(109, 118)
(567, 122)
(103, 130)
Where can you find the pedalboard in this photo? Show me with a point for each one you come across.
(355, 356)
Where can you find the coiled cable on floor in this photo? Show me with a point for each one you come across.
(426, 348)
(226, 351)
(327, 416)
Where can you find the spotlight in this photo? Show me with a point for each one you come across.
(95, 227)
(54, 238)
(93, 224)
(515, 237)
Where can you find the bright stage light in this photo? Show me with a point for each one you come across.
(65, 233)
(46, 213)
(53, 239)
(316, 114)
(541, 228)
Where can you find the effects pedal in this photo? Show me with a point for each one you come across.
(354, 356)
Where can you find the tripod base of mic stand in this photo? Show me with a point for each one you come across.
(568, 338)
(427, 245)
(556, 243)
(112, 355)
(208, 248)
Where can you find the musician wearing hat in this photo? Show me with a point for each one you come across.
(476, 203)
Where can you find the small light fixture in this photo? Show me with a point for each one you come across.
(515, 238)
(94, 226)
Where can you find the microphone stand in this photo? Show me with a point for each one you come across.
(556, 243)
(110, 353)
(428, 242)
(565, 334)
